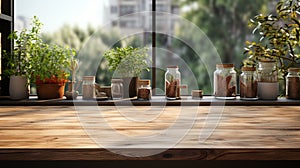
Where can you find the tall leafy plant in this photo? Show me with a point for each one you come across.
(279, 37)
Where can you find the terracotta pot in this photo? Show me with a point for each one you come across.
(18, 88)
(130, 87)
(50, 91)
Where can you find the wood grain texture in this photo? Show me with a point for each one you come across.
(170, 154)
(58, 133)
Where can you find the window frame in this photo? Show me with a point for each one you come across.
(7, 26)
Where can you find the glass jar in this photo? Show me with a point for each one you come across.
(225, 81)
(172, 83)
(268, 86)
(293, 84)
(267, 71)
(144, 90)
(117, 88)
(88, 87)
(248, 83)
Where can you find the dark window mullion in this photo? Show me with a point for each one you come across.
(153, 46)
(7, 8)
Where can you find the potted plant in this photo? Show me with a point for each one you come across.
(128, 64)
(18, 61)
(50, 70)
(49, 65)
(279, 38)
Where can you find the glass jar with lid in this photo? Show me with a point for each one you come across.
(225, 84)
(144, 90)
(248, 83)
(293, 84)
(172, 83)
(268, 86)
(267, 71)
(88, 87)
(117, 88)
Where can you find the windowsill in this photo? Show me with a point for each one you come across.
(155, 101)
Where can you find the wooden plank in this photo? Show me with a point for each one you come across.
(242, 132)
(171, 154)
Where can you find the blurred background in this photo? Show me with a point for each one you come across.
(225, 23)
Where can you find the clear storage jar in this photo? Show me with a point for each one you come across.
(268, 86)
(225, 84)
(144, 90)
(293, 84)
(117, 88)
(88, 87)
(267, 71)
(248, 83)
(172, 83)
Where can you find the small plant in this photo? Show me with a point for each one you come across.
(19, 60)
(279, 37)
(127, 61)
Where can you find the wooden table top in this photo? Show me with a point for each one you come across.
(222, 132)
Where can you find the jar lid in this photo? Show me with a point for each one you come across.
(88, 78)
(173, 66)
(248, 69)
(116, 80)
(294, 69)
(144, 82)
(266, 61)
(225, 65)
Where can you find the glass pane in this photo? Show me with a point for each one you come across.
(198, 34)
(89, 26)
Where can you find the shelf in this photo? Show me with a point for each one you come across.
(6, 17)
(156, 101)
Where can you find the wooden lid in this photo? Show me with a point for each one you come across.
(116, 80)
(197, 91)
(271, 61)
(88, 78)
(248, 69)
(172, 66)
(144, 82)
(225, 65)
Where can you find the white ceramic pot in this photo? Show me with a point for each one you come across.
(268, 90)
(18, 88)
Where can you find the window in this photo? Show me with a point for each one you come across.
(113, 9)
(127, 9)
(223, 23)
